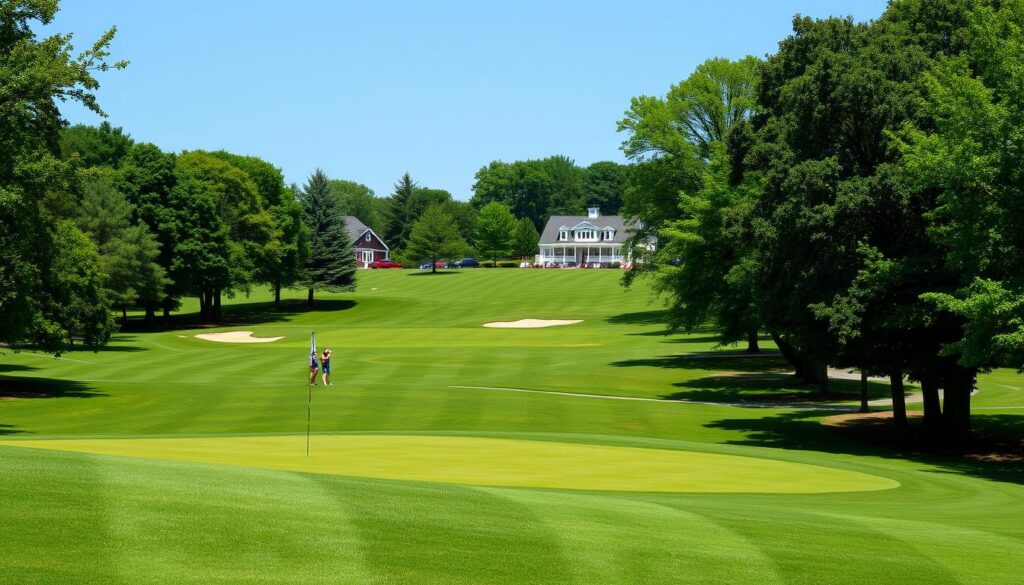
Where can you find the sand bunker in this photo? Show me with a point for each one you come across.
(531, 323)
(235, 337)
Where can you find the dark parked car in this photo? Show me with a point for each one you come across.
(385, 264)
(465, 263)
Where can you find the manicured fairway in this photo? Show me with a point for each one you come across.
(494, 462)
(186, 460)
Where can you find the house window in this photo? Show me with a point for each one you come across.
(609, 234)
(586, 235)
(563, 235)
(367, 236)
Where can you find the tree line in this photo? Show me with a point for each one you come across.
(93, 223)
(856, 194)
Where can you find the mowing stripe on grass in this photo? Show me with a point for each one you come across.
(493, 462)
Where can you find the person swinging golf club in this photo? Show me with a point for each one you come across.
(325, 367)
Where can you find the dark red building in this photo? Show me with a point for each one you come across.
(368, 245)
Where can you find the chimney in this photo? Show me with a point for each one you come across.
(593, 212)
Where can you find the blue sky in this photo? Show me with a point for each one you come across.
(370, 90)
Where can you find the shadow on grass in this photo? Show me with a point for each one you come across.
(742, 377)
(801, 430)
(242, 314)
(771, 387)
(719, 361)
(33, 388)
(9, 430)
(639, 318)
(438, 273)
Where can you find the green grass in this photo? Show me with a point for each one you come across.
(403, 346)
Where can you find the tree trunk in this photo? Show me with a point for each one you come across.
(124, 315)
(899, 400)
(788, 352)
(816, 374)
(863, 391)
(309, 299)
(932, 408)
(218, 312)
(204, 306)
(167, 312)
(752, 346)
(150, 313)
(957, 411)
(277, 294)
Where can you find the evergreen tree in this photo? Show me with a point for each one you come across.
(128, 253)
(525, 238)
(400, 218)
(435, 236)
(331, 264)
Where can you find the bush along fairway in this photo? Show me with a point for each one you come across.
(602, 451)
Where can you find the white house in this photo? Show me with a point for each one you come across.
(587, 240)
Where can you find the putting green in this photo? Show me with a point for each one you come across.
(492, 462)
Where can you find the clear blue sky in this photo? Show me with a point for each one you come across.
(369, 90)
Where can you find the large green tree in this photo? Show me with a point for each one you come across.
(331, 262)
(95, 146)
(494, 231)
(359, 201)
(435, 236)
(50, 280)
(670, 140)
(128, 251)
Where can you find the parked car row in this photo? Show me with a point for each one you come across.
(464, 263)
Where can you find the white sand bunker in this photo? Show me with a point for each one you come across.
(531, 323)
(235, 337)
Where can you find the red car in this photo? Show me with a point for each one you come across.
(385, 264)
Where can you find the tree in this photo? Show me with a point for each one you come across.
(127, 253)
(604, 185)
(331, 263)
(704, 265)
(253, 239)
(525, 238)
(50, 282)
(148, 177)
(359, 201)
(400, 218)
(670, 139)
(966, 156)
(494, 230)
(95, 146)
(435, 236)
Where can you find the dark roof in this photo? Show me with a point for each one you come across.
(616, 222)
(355, 227)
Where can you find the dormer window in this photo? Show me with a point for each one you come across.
(609, 234)
(563, 235)
(586, 235)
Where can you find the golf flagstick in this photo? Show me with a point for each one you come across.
(309, 387)
(309, 410)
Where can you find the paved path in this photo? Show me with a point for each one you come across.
(791, 405)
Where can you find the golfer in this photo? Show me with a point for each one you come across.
(313, 368)
(325, 375)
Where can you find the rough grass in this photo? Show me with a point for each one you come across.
(401, 345)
